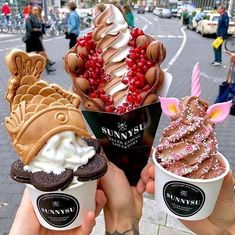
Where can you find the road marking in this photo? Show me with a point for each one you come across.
(212, 78)
(145, 19)
(169, 36)
(145, 27)
(172, 61)
(46, 38)
(6, 35)
(156, 19)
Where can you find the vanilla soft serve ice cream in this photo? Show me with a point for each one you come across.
(63, 151)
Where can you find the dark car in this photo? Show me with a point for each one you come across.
(150, 9)
(141, 10)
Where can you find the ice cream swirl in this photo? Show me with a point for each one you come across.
(189, 146)
(111, 34)
(62, 151)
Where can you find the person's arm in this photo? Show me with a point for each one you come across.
(123, 209)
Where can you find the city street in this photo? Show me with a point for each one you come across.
(184, 49)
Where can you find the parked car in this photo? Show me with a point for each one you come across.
(135, 7)
(174, 12)
(209, 24)
(157, 11)
(141, 10)
(162, 12)
(165, 13)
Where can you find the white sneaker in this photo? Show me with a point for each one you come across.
(217, 63)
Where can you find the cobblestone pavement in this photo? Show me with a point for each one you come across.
(153, 221)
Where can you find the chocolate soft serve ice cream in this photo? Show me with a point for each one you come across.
(188, 146)
(115, 69)
(189, 169)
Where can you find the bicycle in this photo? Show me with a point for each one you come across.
(229, 43)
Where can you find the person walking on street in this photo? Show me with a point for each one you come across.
(73, 24)
(222, 29)
(128, 15)
(33, 37)
(6, 10)
(49, 62)
(26, 11)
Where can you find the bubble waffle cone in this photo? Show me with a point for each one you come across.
(38, 110)
(113, 68)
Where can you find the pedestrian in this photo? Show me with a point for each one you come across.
(199, 16)
(73, 24)
(128, 15)
(6, 10)
(222, 29)
(44, 25)
(26, 11)
(33, 36)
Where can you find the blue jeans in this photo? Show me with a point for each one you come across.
(218, 54)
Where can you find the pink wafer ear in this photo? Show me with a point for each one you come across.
(170, 106)
(219, 112)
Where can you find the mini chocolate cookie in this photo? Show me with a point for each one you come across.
(18, 173)
(51, 182)
(94, 143)
(94, 169)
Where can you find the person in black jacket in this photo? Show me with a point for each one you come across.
(222, 30)
(33, 37)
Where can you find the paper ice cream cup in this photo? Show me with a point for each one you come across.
(185, 198)
(64, 210)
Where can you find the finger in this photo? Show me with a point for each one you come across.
(144, 173)
(87, 226)
(26, 205)
(100, 201)
(140, 187)
(151, 171)
(150, 187)
(227, 189)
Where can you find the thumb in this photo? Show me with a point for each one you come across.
(227, 189)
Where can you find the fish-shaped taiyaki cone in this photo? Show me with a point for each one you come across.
(38, 110)
(114, 56)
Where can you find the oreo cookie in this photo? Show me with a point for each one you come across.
(94, 143)
(94, 169)
(18, 173)
(51, 182)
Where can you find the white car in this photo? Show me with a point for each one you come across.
(209, 25)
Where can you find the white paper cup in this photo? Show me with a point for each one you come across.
(63, 210)
(185, 198)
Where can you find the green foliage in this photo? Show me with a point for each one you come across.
(206, 17)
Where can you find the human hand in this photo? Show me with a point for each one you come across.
(222, 219)
(146, 182)
(26, 222)
(123, 209)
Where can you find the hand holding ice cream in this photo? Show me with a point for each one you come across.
(59, 161)
(189, 169)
